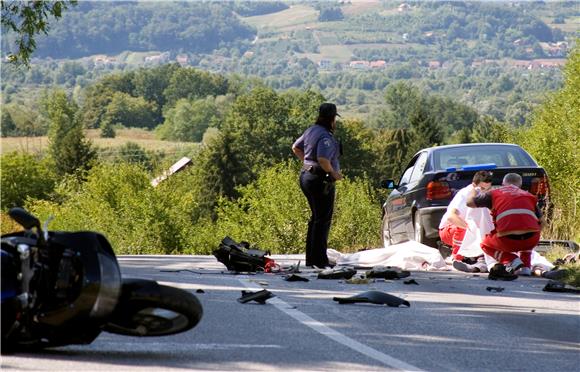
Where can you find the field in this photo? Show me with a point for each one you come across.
(141, 137)
(294, 17)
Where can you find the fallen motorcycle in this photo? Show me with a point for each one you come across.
(62, 288)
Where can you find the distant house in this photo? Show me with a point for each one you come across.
(103, 60)
(404, 7)
(182, 59)
(158, 58)
(324, 63)
(248, 54)
(378, 64)
(359, 64)
(547, 63)
(434, 65)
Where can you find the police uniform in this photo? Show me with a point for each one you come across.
(318, 187)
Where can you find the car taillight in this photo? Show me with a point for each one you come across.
(539, 186)
(438, 190)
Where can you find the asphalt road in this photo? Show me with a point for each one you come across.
(453, 324)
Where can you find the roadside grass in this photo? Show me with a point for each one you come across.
(143, 138)
(572, 269)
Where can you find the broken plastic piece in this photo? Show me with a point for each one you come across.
(200, 291)
(495, 289)
(260, 296)
(373, 297)
(554, 286)
(337, 273)
(296, 278)
(358, 281)
(292, 269)
(387, 272)
(410, 281)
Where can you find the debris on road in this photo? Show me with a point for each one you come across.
(295, 278)
(358, 281)
(387, 272)
(495, 289)
(411, 281)
(337, 273)
(373, 297)
(260, 297)
(240, 257)
(200, 291)
(554, 286)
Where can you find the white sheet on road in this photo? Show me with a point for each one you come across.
(408, 256)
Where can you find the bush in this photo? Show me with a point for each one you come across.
(24, 176)
(273, 213)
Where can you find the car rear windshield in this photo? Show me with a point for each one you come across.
(502, 156)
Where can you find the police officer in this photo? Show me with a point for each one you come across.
(319, 152)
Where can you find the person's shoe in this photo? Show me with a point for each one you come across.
(462, 266)
(499, 272)
(513, 266)
(325, 267)
(524, 271)
(480, 265)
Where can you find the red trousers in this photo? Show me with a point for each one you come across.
(453, 236)
(505, 249)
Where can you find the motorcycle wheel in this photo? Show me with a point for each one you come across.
(148, 309)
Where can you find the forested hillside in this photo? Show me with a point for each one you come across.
(236, 82)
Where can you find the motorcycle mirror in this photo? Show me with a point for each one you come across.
(27, 220)
(45, 227)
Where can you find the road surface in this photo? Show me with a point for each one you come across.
(453, 324)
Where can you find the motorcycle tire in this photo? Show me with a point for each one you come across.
(148, 309)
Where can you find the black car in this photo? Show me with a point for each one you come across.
(417, 203)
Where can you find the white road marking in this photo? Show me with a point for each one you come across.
(333, 334)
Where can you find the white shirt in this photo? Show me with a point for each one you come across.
(459, 202)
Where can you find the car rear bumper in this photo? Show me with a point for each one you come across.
(430, 219)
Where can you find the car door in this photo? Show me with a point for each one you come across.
(398, 211)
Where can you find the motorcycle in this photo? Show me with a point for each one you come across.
(62, 288)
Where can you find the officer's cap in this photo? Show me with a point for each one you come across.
(328, 110)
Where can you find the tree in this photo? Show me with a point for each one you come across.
(24, 176)
(425, 131)
(8, 125)
(188, 121)
(130, 111)
(68, 148)
(28, 19)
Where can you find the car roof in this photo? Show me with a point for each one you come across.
(444, 147)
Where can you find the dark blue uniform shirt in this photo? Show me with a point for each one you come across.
(317, 141)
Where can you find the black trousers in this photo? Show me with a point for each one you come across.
(320, 195)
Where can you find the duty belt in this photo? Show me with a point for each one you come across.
(314, 169)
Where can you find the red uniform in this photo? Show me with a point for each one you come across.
(453, 236)
(513, 210)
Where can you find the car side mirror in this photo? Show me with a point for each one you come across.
(388, 184)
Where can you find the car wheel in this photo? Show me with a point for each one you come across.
(385, 233)
(419, 232)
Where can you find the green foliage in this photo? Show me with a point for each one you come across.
(68, 148)
(552, 141)
(107, 130)
(198, 27)
(273, 213)
(24, 176)
(130, 111)
(118, 201)
(358, 156)
(424, 130)
(188, 120)
(254, 8)
(8, 125)
(192, 84)
(27, 20)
